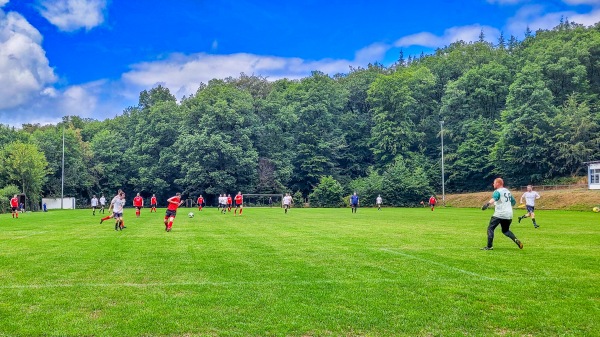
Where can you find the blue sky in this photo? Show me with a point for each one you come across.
(92, 57)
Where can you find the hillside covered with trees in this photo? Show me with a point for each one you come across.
(524, 110)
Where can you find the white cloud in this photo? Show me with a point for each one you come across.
(3, 2)
(71, 15)
(464, 33)
(535, 18)
(182, 74)
(372, 53)
(24, 69)
(582, 2)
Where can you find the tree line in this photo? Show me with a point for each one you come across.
(524, 110)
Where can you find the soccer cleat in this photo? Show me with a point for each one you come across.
(101, 221)
(487, 248)
(519, 243)
(520, 218)
(536, 226)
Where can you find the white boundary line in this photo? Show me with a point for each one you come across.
(200, 283)
(28, 235)
(439, 264)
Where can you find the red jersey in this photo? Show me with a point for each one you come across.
(238, 199)
(200, 201)
(14, 202)
(174, 203)
(229, 200)
(153, 201)
(432, 201)
(138, 201)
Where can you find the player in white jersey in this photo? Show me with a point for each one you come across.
(530, 197)
(287, 202)
(102, 203)
(94, 203)
(503, 213)
(117, 205)
(379, 201)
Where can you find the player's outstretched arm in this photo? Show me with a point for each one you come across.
(488, 204)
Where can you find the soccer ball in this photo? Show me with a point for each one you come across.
(190, 215)
(596, 209)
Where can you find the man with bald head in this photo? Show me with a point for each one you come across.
(503, 214)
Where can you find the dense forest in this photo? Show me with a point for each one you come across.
(524, 110)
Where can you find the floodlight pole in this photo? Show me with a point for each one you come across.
(443, 183)
(62, 179)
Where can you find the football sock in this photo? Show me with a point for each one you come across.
(137, 213)
(241, 211)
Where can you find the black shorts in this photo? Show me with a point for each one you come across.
(170, 213)
(529, 208)
(504, 223)
(153, 205)
(238, 205)
(14, 209)
(137, 208)
(353, 205)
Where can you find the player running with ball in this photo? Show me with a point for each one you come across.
(503, 213)
(173, 203)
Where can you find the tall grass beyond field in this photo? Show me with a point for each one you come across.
(312, 272)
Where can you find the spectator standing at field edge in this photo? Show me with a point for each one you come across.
(503, 213)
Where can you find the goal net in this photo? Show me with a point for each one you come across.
(263, 200)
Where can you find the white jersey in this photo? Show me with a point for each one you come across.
(504, 202)
(118, 205)
(102, 201)
(530, 198)
(287, 200)
(379, 201)
(94, 202)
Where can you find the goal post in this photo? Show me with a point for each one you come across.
(263, 200)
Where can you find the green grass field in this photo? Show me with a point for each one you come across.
(312, 272)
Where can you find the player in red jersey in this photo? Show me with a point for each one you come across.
(138, 203)
(14, 206)
(153, 203)
(173, 203)
(239, 200)
(432, 202)
(229, 202)
(200, 202)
